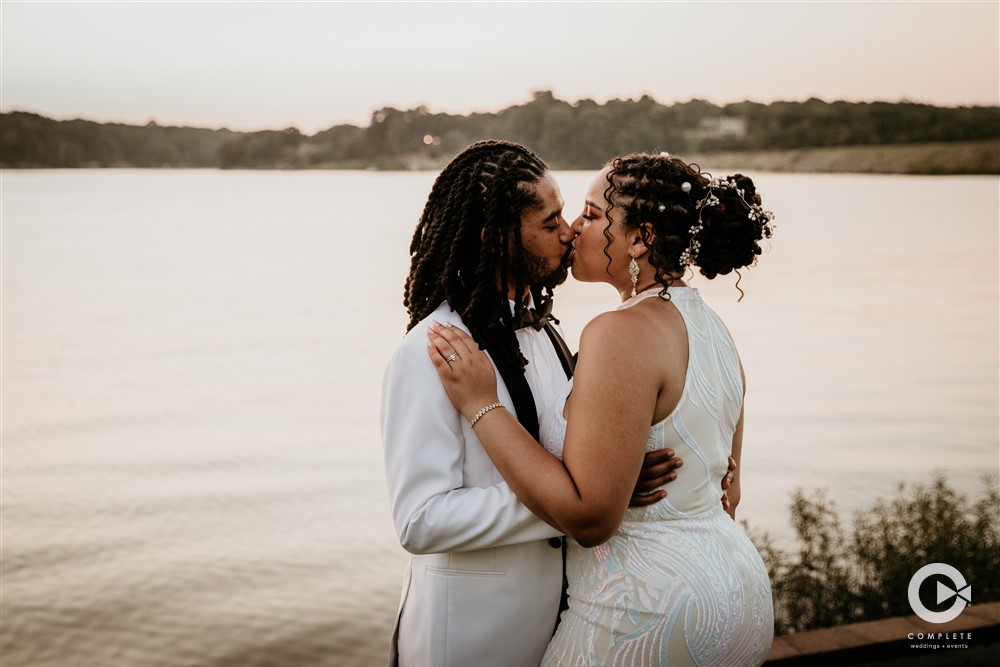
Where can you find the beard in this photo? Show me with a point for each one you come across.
(536, 271)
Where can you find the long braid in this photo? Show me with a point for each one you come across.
(461, 243)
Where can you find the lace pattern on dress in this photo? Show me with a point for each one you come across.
(679, 583)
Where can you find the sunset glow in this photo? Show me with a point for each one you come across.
(313, 65)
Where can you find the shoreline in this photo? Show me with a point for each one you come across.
(966, 158)
(931, 159)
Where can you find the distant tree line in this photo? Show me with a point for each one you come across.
(30, 140)
(580, 135)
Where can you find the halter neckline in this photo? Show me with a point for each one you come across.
(641, 296)
(681, 291)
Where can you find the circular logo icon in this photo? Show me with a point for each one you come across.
(960, 590)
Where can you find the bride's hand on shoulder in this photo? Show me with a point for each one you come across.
(465, 371)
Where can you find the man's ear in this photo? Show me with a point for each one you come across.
(639, 247)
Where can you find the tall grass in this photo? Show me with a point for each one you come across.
(838, 576)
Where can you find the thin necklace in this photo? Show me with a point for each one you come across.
(644, 294)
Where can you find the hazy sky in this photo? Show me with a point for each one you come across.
(260, 65)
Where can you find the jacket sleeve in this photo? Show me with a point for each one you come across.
(425, 447)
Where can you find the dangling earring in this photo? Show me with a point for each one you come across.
(633, 271)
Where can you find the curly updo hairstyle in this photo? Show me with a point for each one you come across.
(461, 242)
(650, 188)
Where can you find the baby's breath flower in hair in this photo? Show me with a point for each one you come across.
(756, 213)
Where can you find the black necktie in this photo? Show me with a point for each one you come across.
(541, 318)
(536, 318)
(516, 383)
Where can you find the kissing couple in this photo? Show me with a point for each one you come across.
(513, 465)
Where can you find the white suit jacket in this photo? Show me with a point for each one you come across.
(483, 582)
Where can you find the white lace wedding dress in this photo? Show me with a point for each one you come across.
(679, 583)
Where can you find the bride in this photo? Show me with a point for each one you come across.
(677, 582)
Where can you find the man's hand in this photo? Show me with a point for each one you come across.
(727, 481)
(657, 469)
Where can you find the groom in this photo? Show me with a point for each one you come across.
(483, 583)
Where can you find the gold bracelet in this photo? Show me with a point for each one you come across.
(479, 415)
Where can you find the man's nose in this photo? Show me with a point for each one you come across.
(570, 231)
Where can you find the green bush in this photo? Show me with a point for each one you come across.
(835, 578)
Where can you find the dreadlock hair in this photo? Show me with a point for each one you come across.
(648, 188)
(462, 242)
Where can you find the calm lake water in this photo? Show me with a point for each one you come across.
(192, 469)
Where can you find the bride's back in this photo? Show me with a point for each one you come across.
(700, 427)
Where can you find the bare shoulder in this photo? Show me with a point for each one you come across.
(616, 375)
(639, 324)
(608, 327)
(615, 337)
(647, 344)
